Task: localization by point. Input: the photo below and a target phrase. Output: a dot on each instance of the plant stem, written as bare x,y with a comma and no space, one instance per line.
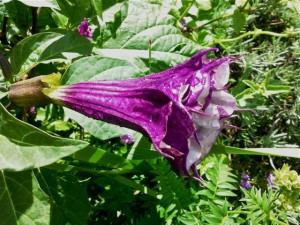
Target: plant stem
34,13
257,33
186,11
238,212
211,21
3,31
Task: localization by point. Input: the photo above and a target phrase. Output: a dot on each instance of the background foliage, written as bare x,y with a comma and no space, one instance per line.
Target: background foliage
60,167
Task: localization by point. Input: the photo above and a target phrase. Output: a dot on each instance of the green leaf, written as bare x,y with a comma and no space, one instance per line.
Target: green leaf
154,25
239,20
43,47
252,85
172,189
41,3
68,197
97,4
204,4
75,11
22,201
286,152
134,185
70,46
25,54
142,149
277,89
21,14
99,68
218,176
240,87
103,158
23,146
216,210
260,205
140,58
97,128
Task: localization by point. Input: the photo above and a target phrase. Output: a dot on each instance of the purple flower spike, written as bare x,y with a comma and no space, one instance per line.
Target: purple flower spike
245,181
245,176
270,179
182,110
127,139
245,184
85,30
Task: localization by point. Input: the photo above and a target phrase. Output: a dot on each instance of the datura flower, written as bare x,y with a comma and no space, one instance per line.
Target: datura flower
182,110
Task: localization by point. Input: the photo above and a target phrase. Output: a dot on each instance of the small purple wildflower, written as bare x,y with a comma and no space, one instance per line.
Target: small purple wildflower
182,110
245,181
270,179
32,112
127,139
245,184
245,176
85,30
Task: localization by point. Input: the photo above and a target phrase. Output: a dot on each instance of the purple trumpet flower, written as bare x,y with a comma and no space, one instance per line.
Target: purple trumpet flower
182,110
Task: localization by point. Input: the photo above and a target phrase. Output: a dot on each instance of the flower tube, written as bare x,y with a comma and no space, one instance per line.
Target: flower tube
182,110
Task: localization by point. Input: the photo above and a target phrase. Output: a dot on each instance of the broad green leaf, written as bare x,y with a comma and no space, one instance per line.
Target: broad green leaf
97,128
38,3
99,68
70,46
22,201
25,54
43,47
75,11
154,24
21,14
68,197
140,58
22,146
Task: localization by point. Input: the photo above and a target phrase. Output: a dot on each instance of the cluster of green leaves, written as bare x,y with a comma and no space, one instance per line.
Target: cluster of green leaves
60,167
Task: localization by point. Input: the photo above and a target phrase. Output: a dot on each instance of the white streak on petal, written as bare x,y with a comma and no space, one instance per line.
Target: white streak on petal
206,88
224,100
221,75
194,152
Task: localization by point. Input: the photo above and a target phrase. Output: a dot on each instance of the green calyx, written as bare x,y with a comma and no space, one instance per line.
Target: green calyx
34,91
